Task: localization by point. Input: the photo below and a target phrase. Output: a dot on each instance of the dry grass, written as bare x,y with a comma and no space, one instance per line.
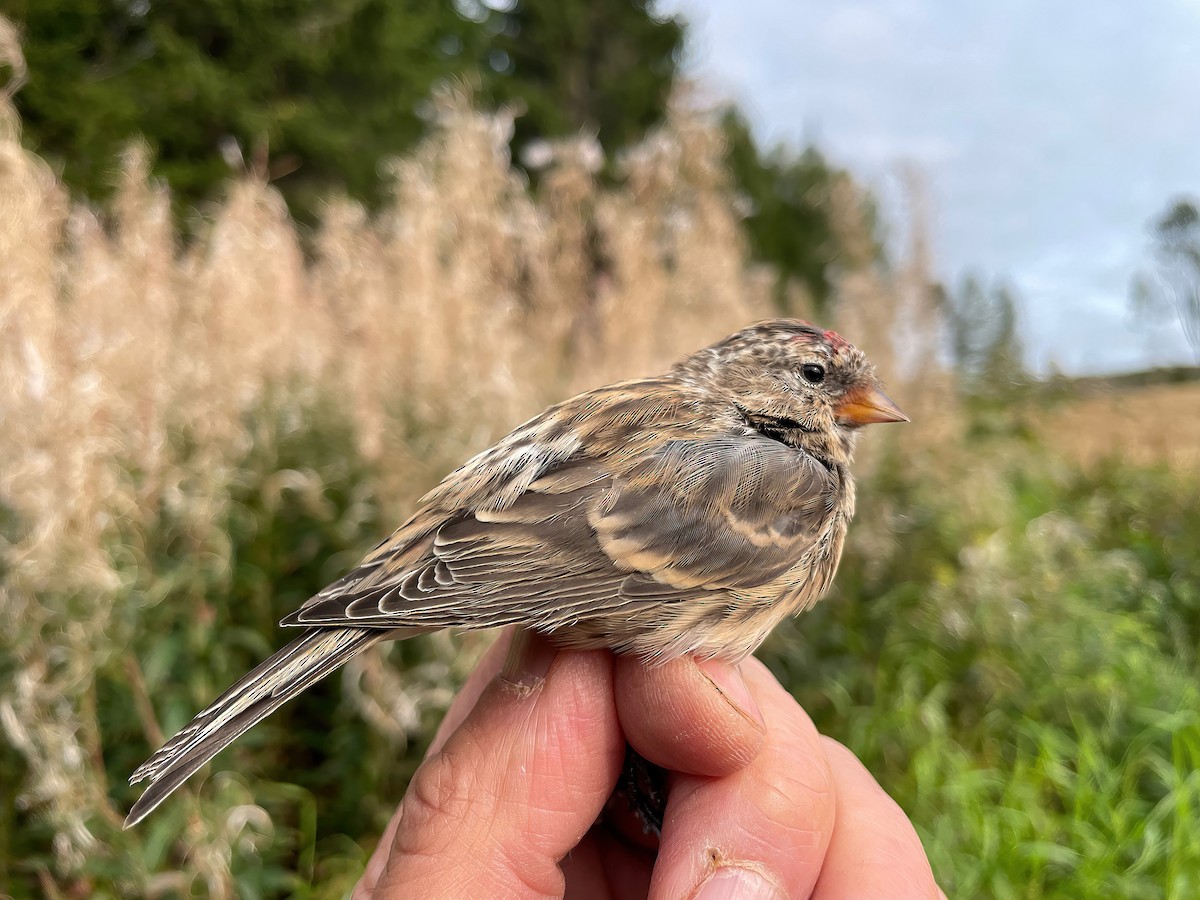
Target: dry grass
438,325
1141,425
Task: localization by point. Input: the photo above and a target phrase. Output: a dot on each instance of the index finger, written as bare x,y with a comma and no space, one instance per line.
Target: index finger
515,787
875,851
464,701
761,831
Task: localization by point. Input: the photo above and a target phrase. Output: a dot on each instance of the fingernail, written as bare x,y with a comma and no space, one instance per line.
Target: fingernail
529,659
728,680
732,883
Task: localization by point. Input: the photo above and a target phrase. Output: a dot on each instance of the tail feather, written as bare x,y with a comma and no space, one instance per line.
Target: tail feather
275,681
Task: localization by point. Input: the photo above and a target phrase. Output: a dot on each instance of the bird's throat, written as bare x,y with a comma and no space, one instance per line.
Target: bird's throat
790,433
777,428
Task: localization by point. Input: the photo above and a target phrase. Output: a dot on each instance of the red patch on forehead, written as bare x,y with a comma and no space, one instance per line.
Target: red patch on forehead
836,341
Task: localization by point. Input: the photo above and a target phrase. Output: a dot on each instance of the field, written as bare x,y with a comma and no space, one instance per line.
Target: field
201,431
1149,424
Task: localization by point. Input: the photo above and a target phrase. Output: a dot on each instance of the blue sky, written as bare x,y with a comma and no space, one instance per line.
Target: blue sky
1048,134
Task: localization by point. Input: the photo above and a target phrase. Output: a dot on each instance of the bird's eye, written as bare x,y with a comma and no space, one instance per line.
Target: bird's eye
813,373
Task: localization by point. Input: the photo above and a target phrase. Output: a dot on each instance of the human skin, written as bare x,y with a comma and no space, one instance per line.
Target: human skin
508,802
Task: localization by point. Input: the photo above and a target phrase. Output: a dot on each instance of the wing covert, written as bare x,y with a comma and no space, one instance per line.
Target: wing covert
592,537
728,512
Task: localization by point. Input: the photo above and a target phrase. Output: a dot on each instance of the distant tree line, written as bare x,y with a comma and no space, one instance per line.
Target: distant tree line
314,93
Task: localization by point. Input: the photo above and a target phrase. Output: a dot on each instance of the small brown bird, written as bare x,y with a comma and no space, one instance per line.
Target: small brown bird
687,513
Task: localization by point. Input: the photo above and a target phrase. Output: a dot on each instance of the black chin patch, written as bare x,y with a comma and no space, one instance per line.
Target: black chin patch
784,430
777,428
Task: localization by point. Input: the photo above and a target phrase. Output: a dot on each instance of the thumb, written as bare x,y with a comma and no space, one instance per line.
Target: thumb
515,788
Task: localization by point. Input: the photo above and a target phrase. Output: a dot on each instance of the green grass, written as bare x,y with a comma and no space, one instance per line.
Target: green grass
1011,649
1020,674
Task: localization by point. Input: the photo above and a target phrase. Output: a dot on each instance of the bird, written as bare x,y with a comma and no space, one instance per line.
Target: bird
686,513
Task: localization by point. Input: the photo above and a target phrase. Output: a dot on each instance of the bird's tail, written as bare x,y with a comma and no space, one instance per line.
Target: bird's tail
270,685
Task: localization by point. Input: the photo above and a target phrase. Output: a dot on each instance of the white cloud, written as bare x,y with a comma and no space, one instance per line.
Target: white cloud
1049,133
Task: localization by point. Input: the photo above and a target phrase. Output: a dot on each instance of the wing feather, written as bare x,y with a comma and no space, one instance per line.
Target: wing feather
593,537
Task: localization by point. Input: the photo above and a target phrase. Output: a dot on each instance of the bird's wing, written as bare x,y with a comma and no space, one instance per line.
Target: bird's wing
589,537
728,512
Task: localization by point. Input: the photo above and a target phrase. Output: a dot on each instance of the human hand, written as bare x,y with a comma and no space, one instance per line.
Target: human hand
508,803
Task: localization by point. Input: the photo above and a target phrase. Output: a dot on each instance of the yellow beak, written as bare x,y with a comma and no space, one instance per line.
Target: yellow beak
868,405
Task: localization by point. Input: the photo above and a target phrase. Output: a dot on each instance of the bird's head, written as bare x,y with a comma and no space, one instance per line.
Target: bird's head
786,375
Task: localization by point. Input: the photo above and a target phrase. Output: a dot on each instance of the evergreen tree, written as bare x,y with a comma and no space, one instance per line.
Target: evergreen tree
985,337
788,220
325,87
602,65
317,92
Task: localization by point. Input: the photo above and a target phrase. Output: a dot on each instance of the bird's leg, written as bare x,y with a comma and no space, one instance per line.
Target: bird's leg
641,792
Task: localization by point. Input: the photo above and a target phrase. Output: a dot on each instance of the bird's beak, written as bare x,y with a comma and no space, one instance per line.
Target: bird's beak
868,405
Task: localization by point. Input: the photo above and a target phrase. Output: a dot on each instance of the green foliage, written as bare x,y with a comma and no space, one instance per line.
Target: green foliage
1011,650
301,513
789,217
329,87
1019,670
316,93
988,356
301,510
985,341
605,66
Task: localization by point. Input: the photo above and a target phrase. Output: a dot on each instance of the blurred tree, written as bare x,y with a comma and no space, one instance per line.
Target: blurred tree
1175,285
788,220
606,66
328,87
984,337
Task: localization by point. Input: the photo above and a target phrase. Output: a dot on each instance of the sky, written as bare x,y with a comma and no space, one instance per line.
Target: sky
1048,135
